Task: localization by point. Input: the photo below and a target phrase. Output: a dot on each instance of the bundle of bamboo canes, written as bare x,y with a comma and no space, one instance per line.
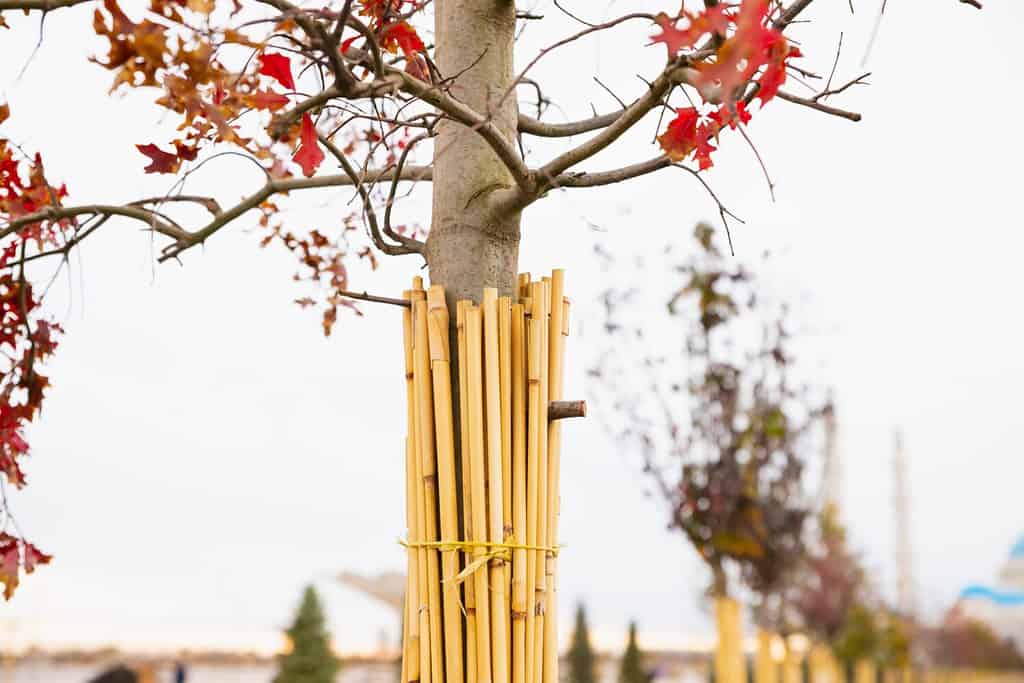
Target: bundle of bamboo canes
481,603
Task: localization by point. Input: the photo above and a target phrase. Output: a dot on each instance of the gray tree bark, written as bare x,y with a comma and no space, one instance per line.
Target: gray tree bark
472,243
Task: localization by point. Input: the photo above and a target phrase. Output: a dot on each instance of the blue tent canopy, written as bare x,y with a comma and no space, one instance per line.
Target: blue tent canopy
1003,598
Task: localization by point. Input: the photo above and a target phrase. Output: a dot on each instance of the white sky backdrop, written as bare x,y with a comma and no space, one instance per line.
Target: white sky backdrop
205,452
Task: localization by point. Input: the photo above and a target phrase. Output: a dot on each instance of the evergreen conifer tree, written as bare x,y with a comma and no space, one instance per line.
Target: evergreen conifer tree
581,656
310,659
631,670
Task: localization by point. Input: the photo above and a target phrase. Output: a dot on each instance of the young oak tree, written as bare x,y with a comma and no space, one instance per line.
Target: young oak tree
378,96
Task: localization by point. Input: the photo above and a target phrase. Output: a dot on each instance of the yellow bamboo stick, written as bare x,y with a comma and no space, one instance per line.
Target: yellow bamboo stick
536,424
519,435
556,355
540,298
505,372
428,481
437,333
412,651
496,526
475,401
467,531
411,629
421,606
523,286
766,670
865,671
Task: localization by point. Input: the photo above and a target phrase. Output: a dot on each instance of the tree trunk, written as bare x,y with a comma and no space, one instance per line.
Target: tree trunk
472,245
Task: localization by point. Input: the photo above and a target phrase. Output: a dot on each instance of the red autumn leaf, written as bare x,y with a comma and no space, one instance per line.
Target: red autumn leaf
34,557
416,66
309,155
9,564
403,36
714,19
278,67
265,99
704,148
724,116
347,43
184,152
160,161
680,137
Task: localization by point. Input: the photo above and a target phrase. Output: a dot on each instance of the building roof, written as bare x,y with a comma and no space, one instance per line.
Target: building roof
999,597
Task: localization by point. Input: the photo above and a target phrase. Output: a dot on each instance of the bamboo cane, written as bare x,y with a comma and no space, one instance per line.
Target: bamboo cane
539,295
519,434
505,373
422,607
440,369
411,653
467,531
523,286
556,354
411,627
765,668
791,672
865,671
532,475
496,526
428,463
478,505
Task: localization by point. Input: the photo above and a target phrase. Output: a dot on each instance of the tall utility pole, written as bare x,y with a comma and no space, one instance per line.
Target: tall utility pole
905,598
832,472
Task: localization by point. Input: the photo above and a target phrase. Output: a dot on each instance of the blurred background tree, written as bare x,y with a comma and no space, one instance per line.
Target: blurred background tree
309,658
581,654
631,667
721,423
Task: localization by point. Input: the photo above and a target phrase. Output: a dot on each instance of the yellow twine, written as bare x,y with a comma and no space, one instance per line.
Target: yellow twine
495,550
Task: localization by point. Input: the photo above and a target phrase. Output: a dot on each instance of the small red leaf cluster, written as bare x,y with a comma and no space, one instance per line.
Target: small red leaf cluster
749,52
323,263
26,341
392,31
16,554
690,133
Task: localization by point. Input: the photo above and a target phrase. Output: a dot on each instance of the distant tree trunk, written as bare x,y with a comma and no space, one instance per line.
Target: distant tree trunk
472,244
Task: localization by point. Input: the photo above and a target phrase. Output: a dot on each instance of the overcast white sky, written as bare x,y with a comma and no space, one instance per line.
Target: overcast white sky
205,452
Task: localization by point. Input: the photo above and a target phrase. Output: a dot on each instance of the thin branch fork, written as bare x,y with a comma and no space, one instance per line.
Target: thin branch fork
824,108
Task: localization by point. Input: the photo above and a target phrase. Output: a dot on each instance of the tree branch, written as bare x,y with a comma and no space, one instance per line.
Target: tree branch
532,126
583,179
405,245
39,5
504,148
842,113
658,88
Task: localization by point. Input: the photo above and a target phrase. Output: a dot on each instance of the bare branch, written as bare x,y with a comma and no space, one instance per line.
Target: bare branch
790,14
532,126
668,78
38,5
405,245
842,113
582,179
56,213
504,148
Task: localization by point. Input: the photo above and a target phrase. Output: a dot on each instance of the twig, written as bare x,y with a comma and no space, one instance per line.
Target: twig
363,296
